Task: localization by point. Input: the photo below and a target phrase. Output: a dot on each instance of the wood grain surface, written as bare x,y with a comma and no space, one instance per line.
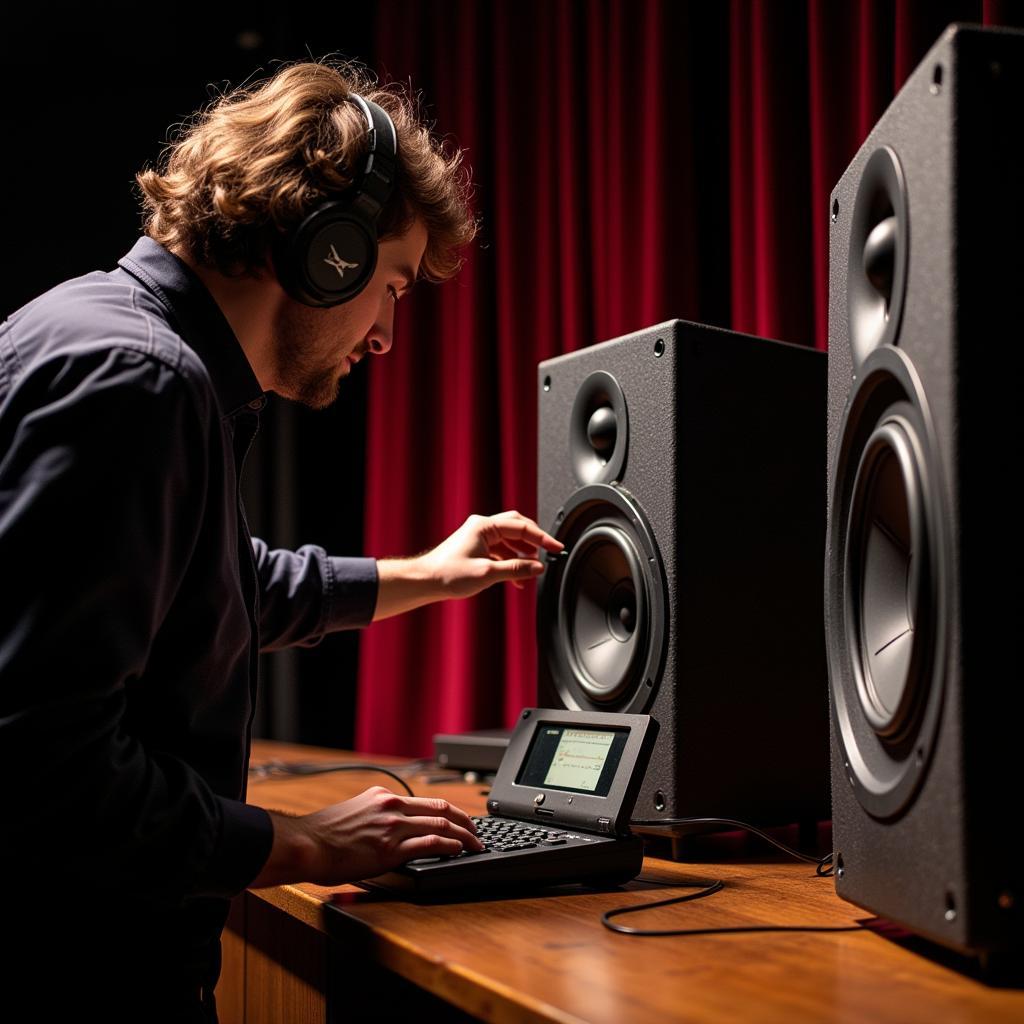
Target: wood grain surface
549,958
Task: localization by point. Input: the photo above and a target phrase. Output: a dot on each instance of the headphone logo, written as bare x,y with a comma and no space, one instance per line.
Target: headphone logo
340,265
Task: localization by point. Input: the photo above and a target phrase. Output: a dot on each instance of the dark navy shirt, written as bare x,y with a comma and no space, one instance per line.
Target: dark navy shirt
133,605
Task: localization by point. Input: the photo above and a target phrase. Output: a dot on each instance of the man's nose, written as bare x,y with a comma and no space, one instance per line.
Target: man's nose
379,338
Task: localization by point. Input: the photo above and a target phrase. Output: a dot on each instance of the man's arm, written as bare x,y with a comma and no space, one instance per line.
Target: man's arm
307,593
483,551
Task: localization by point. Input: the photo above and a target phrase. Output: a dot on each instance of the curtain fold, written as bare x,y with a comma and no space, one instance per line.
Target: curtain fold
634,162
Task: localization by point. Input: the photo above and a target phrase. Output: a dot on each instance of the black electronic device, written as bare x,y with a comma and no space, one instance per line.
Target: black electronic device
559,809
683,466
478,751
922,601
331,254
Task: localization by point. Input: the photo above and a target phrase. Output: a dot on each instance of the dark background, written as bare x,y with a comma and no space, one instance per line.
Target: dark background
633,161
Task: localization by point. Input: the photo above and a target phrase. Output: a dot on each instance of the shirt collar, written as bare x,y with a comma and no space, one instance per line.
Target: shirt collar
200,322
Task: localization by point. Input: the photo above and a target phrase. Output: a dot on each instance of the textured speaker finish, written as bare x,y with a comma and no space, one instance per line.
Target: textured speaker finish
726,461
941,862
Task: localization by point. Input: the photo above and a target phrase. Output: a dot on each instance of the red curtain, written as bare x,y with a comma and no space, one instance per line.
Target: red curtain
634,162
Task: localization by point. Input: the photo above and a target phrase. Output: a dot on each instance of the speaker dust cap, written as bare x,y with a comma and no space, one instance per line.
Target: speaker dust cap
598,430
601,613
879,252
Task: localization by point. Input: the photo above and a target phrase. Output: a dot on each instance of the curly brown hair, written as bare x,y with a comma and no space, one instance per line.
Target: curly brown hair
252,165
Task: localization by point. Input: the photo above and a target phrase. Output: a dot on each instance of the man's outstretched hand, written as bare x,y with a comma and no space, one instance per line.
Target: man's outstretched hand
483,551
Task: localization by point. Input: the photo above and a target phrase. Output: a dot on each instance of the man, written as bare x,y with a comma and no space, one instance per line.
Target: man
135,602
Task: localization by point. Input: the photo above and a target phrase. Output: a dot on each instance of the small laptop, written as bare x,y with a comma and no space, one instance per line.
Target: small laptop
559,809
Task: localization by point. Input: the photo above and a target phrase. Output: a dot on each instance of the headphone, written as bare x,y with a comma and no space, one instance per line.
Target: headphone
330,256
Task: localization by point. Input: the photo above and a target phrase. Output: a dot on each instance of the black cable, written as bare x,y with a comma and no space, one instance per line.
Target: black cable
272,769
717,886
820,862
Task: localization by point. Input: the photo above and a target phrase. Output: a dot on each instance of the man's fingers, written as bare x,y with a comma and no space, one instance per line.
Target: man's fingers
429,846
504,551
416,806
443,827
513,569
514,526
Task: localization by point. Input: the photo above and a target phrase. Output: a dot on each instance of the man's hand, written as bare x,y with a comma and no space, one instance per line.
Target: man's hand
363,837
483,551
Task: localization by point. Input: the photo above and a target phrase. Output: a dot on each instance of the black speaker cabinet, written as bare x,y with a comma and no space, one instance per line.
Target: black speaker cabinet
684,468
923,564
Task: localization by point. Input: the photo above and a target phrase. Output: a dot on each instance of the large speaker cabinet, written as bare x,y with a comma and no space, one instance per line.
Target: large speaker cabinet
684,468
923,569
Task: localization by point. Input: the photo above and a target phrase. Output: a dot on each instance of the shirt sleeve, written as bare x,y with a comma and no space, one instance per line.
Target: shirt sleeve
99,513
307,593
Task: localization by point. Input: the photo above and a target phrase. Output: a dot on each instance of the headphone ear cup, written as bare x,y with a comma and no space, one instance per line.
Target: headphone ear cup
329,259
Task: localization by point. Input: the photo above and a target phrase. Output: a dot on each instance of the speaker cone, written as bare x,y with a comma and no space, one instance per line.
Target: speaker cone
601,612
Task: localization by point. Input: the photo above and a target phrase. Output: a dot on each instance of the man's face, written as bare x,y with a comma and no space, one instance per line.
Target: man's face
315,348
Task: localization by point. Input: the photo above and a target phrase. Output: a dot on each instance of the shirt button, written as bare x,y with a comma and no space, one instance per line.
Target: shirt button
257,404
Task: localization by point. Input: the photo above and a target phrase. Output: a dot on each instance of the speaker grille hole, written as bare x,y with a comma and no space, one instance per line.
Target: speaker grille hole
936,86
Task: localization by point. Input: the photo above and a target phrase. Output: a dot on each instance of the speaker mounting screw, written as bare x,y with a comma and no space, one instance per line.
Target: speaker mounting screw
950,914
526,714
659,801
547,383
659,348
936,87
835,210
840,866
560,515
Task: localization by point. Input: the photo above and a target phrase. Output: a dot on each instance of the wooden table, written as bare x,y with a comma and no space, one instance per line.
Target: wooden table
289,957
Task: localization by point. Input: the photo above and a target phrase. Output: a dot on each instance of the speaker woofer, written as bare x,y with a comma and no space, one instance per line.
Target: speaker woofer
879,254
886,558
601,613
888,569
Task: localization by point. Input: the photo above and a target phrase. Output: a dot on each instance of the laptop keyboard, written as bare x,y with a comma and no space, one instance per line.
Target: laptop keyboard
508,834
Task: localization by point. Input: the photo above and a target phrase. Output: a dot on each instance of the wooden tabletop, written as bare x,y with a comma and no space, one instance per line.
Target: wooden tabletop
549,958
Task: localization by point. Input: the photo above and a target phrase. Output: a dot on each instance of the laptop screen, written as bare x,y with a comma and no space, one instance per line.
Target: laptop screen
573,759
